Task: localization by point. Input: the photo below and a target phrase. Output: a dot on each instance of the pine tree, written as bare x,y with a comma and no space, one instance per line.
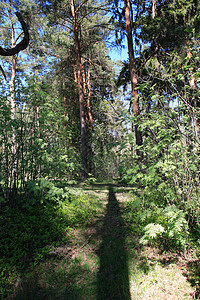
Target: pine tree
79,31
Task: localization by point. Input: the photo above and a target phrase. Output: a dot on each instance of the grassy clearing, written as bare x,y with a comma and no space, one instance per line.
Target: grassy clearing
96,254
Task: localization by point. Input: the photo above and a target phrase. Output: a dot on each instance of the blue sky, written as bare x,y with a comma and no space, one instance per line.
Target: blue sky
119,54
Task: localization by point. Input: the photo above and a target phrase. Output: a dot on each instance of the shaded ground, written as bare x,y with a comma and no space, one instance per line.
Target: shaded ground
102,262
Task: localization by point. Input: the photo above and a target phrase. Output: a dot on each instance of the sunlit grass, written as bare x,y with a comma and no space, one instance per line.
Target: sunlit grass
150,279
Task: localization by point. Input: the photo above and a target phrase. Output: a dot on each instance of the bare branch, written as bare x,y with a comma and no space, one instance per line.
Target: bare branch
22,45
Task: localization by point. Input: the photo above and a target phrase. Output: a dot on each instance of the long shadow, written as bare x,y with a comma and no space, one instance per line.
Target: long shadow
113,279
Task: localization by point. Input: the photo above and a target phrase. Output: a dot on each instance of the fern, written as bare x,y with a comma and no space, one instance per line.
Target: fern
170,227
152,231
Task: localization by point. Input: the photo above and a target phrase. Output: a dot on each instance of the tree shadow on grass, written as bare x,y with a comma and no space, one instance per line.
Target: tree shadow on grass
113,279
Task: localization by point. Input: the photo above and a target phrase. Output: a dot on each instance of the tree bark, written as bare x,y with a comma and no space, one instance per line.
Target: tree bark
132,68
81,94
153,8
89,95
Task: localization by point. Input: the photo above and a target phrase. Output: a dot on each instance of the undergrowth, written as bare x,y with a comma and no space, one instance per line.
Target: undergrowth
43,218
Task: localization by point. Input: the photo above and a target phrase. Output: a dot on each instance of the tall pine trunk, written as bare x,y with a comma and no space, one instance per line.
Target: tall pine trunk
133,73
81,94
89,95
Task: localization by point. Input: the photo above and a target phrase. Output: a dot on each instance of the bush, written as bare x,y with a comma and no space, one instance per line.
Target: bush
44,192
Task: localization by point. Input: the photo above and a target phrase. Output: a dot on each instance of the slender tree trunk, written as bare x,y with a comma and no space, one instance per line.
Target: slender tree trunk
37,107
194,105
22,171
64,103
132,68
12,103
153,8
84,90
81,94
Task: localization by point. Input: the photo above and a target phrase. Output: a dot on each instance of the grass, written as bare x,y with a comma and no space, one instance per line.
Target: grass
98,256
153,279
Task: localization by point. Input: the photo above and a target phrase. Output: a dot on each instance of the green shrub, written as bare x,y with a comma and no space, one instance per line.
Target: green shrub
45,192
91,179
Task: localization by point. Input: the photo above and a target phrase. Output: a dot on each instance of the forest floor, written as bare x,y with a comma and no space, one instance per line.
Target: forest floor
103,260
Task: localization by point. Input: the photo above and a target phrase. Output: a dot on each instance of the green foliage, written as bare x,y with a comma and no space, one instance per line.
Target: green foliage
77,210
44,192
155,223
170,228
168,174
90,180
25,232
